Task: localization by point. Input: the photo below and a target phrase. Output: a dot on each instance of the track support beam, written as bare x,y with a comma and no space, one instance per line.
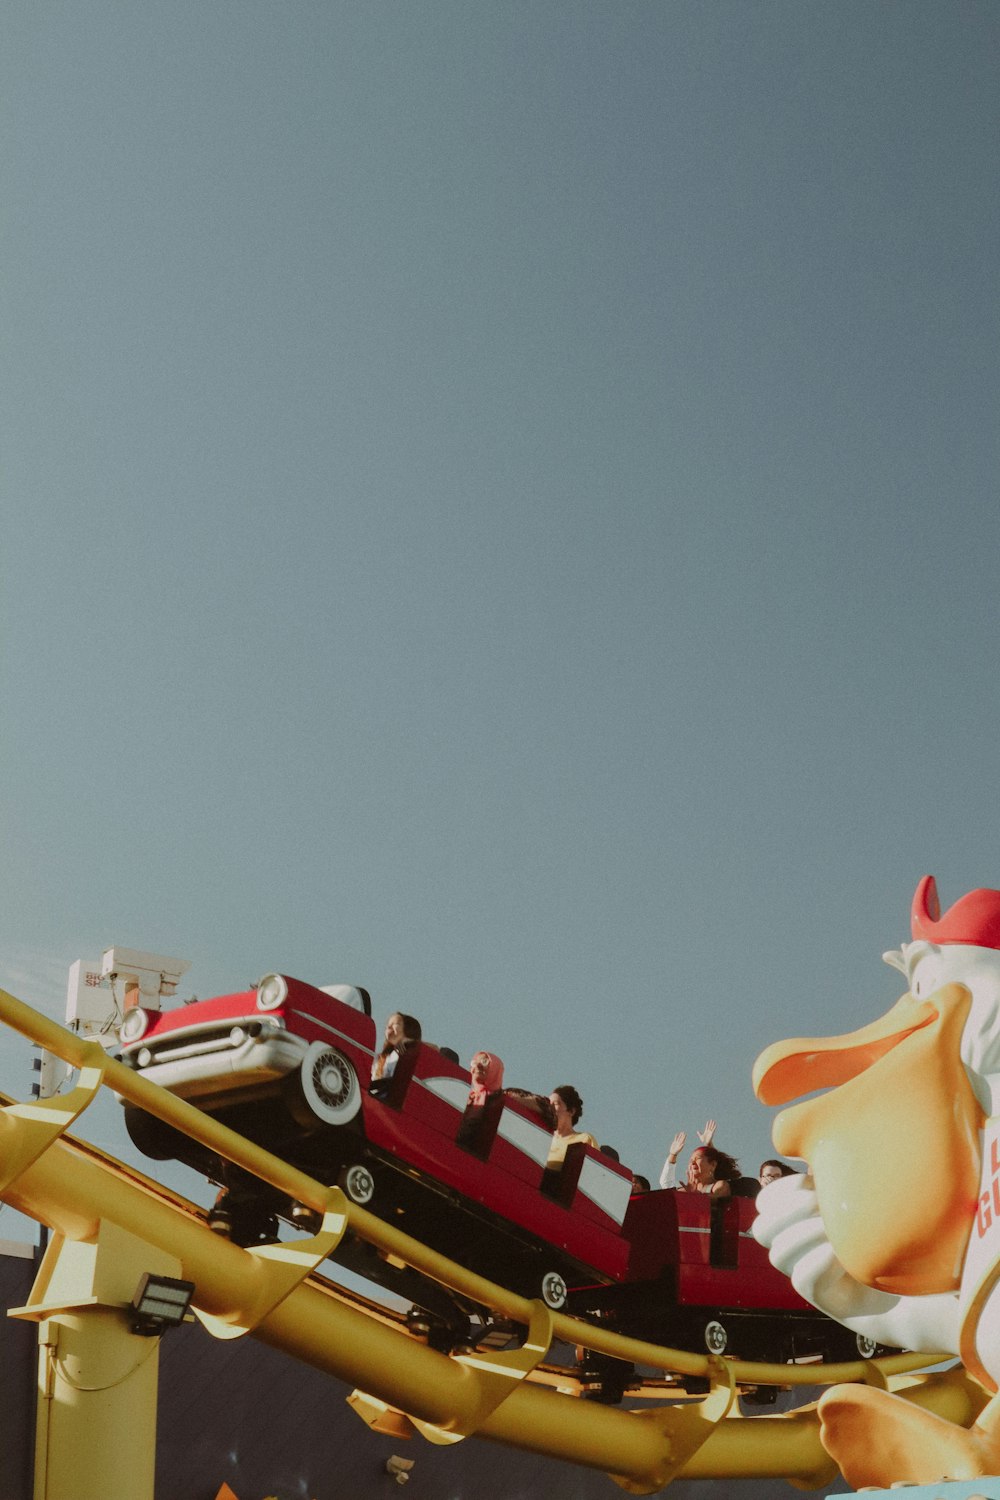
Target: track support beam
95,1432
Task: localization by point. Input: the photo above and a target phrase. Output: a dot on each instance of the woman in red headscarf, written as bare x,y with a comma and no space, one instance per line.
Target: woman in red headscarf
486,1073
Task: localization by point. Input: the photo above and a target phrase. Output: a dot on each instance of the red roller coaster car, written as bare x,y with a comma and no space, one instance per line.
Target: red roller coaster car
288,1064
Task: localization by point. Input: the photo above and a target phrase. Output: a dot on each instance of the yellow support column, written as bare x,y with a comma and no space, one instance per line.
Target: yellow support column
95,1436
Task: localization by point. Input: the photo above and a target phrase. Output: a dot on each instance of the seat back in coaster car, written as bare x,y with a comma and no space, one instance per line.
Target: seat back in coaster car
651,1230
593,1185
709,1229
392,1091
478,1129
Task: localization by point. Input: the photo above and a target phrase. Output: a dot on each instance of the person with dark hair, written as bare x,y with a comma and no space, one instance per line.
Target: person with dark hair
401,1032
568,1107
772,1169
709,1170
640,1184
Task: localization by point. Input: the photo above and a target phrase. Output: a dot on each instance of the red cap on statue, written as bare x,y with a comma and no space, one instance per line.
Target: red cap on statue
974,919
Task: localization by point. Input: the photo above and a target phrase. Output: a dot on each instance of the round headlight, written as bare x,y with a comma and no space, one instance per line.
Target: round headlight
271,992
134,1025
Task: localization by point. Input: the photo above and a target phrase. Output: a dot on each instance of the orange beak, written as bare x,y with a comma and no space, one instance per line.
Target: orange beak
786,1070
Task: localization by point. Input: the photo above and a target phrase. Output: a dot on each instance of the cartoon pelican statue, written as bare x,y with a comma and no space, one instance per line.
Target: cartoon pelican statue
894,1229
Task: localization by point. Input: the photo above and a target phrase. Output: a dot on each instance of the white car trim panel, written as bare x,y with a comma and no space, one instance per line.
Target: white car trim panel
454,1091
533,1140
609,1191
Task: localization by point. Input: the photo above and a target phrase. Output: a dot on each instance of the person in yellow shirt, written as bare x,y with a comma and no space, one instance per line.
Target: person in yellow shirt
568,1107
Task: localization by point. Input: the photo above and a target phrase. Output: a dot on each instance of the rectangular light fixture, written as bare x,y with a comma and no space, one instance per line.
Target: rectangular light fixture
160,1302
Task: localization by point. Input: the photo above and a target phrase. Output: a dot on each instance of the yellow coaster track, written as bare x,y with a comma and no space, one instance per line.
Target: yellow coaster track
109,1221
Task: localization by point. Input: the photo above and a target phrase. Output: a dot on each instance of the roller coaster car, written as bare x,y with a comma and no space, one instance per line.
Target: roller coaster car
287,1065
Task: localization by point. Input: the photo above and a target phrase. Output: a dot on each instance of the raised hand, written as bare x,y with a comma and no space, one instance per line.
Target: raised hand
706,1135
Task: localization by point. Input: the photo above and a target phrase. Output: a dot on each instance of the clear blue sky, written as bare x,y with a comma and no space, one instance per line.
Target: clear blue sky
500,505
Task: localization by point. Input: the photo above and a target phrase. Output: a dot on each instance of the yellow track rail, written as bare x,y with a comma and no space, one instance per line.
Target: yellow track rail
273,1293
